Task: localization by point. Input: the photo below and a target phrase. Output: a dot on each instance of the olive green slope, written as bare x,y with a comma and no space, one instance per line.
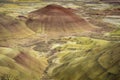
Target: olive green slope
86,59
116,32
21,64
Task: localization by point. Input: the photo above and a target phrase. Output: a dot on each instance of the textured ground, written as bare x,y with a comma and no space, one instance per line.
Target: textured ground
27,55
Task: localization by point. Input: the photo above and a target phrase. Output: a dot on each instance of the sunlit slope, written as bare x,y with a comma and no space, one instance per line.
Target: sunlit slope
21,64
86,59
13,28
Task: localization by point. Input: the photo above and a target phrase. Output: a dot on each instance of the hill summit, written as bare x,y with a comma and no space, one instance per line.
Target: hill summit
56,20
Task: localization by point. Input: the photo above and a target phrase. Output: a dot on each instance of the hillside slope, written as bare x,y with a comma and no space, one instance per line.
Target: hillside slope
56,20
21,64
86,59
13,28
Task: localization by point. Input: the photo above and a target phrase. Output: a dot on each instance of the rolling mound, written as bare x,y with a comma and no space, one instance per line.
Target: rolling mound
56,20
21,64
13,28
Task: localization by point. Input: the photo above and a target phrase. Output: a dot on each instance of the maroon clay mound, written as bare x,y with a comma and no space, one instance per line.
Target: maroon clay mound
56,20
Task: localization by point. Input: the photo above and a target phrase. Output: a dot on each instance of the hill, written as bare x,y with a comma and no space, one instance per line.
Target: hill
82,58
21,64
56,20
13,28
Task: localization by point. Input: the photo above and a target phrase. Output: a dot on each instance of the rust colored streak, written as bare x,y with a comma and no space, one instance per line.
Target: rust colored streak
28,62
22,59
